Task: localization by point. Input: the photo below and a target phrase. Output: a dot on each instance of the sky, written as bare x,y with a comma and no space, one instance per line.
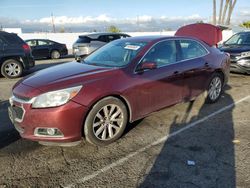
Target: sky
82,15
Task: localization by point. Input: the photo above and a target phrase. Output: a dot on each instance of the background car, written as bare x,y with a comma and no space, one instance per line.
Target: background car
238,46
86,44
15,55
42,48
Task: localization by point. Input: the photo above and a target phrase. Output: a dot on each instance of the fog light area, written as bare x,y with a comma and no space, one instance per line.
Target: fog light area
48,132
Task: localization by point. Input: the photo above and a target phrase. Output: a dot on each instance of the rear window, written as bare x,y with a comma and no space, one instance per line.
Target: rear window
13,39
83,40
191,49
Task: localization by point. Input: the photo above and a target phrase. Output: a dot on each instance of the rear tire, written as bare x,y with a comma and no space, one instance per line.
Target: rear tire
55,54
106,121
215,88
11,68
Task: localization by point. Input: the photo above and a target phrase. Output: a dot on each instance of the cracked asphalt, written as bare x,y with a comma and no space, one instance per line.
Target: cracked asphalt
153,152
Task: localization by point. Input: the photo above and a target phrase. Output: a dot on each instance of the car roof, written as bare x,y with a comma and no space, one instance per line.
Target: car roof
7,33
156,38
247,32
96,35
40,39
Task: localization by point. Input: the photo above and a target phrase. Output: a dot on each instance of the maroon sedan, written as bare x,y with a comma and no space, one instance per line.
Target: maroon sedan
121,82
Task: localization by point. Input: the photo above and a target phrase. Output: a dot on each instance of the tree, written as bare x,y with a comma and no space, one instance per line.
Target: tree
62,30
225,12
214,12
245,24
113,29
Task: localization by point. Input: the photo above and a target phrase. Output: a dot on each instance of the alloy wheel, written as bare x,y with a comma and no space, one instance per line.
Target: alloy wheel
12,69
215,88
107,122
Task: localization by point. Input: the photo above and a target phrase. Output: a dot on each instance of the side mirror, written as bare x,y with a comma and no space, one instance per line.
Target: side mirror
148,65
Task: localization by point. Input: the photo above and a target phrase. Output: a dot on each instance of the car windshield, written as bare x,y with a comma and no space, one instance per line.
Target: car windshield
239,39
115,54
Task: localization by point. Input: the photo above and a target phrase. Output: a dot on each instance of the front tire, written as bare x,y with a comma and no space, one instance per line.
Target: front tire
11,68
214,88
106,121
55,54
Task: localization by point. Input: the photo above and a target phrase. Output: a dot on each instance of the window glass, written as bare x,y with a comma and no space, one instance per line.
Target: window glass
123,36
83,39
1,41
110,38
42,42
163,53
12,39
191,49
239,39
103,38
51,42
115,54
31,43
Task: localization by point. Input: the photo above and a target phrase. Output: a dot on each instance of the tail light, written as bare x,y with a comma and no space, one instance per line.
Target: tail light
26,48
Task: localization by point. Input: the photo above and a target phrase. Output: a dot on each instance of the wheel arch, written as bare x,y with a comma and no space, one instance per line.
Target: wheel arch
219,71
17,58
118,96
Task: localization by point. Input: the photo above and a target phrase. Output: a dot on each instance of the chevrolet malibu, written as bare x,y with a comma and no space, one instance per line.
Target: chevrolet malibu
121,82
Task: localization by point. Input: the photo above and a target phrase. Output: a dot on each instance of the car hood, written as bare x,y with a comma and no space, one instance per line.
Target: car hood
65,75
235,48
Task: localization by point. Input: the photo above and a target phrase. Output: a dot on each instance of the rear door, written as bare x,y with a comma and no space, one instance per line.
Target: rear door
42,48
195,67
32,44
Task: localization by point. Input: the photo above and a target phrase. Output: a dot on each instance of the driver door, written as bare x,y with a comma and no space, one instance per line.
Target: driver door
160,87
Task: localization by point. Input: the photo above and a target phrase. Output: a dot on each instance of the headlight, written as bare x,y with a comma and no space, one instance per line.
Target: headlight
55,98
245,54
243,62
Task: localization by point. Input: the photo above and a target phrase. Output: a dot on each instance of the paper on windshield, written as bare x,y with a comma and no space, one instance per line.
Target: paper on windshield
132,47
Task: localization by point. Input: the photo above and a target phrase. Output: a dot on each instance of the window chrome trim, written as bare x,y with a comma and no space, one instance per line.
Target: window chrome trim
180,61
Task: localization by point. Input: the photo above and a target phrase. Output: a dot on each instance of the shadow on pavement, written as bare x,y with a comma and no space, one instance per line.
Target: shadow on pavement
202,156
8,133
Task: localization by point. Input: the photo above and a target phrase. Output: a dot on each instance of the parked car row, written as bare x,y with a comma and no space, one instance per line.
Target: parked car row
15,55
42,48
86,44
238,46
123,81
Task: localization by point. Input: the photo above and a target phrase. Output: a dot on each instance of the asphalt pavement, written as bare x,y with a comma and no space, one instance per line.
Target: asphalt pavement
188,145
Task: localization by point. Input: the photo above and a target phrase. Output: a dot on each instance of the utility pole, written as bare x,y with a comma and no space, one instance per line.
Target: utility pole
53,23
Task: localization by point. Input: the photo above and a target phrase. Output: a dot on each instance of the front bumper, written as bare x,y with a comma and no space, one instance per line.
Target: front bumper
67,118
240,65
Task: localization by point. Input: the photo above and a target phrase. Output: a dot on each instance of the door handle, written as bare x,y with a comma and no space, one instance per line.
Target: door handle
206,64
176,72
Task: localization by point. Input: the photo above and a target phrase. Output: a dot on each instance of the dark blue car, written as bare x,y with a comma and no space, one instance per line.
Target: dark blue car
238,46
42,48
